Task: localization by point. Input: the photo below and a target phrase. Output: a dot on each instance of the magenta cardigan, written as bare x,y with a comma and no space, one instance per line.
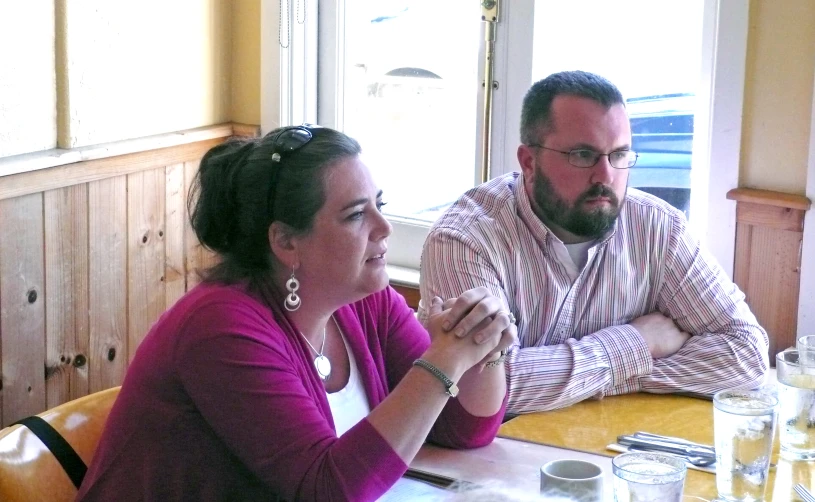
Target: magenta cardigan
222,403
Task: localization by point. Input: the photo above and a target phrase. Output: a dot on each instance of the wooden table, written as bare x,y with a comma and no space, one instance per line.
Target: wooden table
583,431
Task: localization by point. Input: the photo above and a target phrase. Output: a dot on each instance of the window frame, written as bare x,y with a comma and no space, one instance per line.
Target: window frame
293,92
806,298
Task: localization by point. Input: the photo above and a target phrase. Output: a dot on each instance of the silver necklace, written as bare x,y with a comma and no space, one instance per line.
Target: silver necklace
321,363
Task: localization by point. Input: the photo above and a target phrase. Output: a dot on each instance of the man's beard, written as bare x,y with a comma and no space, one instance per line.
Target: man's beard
573,218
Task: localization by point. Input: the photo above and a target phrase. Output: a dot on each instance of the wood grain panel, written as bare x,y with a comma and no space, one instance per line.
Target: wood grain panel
741,269
197,257
411,294
22,304
146,195
175,276
769,236
769,198
16,185
107,282
782,218
773,283
66,298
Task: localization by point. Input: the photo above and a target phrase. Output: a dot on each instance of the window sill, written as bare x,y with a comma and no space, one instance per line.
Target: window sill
403,276
56,157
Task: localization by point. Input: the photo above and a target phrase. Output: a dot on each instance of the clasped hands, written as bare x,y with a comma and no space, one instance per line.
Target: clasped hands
475,325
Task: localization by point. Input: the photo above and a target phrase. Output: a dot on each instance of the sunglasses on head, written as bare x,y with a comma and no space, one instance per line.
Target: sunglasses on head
284,142
281,144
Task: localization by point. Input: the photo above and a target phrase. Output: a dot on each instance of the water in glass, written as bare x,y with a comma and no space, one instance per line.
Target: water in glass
744,426
648,477
796,395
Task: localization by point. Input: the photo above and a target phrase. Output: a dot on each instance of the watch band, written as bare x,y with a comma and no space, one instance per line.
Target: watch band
450,387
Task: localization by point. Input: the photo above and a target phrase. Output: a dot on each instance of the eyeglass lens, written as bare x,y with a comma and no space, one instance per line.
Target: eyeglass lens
292,139
622,159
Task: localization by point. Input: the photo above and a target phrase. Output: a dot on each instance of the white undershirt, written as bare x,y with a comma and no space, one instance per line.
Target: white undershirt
579,253
349,405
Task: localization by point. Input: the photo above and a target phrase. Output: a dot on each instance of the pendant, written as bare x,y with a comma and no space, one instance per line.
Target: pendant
323,366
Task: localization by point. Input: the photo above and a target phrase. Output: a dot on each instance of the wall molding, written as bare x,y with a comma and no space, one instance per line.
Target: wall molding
38,172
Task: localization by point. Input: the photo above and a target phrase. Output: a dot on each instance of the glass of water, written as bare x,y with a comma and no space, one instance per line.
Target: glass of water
648,477
744,428
806,349
796,396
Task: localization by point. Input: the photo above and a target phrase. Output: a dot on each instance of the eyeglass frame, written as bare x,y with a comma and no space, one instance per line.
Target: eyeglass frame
598,155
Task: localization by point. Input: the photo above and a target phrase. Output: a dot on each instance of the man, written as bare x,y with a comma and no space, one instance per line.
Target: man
611,292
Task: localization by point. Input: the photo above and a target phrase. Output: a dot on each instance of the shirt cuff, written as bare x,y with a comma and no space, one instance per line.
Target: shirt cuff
627,353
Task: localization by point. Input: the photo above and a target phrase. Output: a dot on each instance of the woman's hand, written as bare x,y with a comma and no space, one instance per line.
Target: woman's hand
476,318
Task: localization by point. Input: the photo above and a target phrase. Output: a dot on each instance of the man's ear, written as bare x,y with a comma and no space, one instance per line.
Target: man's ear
283,243
526,159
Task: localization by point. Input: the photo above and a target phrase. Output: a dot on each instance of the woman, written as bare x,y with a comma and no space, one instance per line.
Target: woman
294,371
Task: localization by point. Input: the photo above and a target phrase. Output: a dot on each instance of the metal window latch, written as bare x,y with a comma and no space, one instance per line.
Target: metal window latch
489,10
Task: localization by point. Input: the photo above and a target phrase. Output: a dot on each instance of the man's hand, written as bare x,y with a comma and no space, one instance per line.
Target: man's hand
660,334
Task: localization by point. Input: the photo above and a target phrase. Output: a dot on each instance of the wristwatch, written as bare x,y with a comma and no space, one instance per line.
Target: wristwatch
450,387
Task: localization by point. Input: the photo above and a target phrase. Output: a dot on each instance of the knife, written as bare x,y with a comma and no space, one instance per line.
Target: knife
666,447
670,439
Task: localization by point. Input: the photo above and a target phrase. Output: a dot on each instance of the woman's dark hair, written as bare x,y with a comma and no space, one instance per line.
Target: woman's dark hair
536,111
240,190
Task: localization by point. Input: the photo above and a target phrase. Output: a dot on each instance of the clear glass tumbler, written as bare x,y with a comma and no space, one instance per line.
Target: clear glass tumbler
744,428
648,477
806,349
796,396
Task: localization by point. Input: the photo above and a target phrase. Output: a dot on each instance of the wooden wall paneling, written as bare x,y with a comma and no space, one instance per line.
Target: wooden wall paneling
741,268
782,218
769,236
22,307
16,185
175,276
66,294
107,282
773,283
411,294
197,257
146,196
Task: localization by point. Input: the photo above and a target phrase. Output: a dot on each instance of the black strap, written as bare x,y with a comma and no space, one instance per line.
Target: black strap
67,457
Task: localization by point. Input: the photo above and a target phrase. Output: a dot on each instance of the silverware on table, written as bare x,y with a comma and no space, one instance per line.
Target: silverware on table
804,493
667,446
670,439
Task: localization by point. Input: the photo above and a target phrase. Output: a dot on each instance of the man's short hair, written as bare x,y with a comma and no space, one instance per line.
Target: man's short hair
536,113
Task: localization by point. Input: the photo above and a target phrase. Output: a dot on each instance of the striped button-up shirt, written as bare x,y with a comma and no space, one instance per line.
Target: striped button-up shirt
575,340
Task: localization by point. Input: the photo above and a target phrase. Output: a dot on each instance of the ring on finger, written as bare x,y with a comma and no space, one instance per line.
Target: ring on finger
512,319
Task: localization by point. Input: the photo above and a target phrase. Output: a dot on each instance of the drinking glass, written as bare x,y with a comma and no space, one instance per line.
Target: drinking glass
806,349
796,396
648,477
744,427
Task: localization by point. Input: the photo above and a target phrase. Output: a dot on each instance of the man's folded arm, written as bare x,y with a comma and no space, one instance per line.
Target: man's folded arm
603,363
728,348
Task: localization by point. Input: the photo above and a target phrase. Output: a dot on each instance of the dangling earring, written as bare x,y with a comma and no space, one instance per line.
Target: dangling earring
292,302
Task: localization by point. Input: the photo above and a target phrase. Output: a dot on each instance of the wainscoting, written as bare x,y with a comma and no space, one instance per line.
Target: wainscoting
91,253
769,242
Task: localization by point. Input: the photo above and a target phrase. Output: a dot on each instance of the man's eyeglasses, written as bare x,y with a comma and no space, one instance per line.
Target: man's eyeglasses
585,158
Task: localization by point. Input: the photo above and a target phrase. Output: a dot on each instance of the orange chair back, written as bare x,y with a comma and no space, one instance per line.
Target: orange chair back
29,472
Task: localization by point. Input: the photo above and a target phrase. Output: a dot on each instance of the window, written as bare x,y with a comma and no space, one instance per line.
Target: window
414,97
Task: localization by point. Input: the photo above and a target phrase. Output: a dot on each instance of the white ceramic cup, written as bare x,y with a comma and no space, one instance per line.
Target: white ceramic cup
572,479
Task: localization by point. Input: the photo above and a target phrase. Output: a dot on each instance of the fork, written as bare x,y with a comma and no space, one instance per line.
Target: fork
805,494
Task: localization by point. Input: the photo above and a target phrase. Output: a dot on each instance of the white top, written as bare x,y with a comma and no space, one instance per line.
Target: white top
579,253
349,405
